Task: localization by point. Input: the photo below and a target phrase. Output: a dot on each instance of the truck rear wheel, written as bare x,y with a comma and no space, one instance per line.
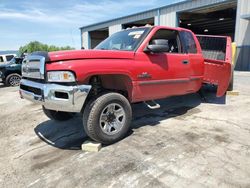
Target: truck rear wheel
13,80
107,118
58,115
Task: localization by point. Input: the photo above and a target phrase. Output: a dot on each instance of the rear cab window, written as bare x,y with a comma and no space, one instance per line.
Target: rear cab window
188,42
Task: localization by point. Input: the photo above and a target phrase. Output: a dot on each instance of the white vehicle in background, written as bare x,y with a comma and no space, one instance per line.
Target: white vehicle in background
5,58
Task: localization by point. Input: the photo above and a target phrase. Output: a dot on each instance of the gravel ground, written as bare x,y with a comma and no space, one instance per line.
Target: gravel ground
188,142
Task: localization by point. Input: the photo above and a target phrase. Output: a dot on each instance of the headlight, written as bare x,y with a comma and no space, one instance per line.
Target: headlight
1,74
60,76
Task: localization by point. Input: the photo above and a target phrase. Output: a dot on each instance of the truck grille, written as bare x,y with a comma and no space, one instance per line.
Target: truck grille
33,67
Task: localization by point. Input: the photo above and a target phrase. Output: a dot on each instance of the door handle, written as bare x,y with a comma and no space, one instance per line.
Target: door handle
185,62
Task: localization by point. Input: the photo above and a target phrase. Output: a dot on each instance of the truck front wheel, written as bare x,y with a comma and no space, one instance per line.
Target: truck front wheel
58,115
107,118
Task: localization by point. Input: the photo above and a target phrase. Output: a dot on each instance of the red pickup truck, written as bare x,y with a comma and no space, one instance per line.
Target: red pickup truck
134,65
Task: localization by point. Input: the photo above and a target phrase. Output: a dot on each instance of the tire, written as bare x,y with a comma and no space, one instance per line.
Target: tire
231,84
13,80
107,118
58,115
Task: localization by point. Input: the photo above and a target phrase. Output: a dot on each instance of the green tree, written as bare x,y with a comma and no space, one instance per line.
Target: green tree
38,46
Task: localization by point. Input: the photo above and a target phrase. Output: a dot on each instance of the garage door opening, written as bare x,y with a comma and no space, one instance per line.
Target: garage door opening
139,23
215,20
98,36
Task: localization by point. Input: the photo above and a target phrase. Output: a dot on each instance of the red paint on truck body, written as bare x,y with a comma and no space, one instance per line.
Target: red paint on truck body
166,73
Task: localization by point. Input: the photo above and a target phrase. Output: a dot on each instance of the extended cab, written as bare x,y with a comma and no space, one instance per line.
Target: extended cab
134,65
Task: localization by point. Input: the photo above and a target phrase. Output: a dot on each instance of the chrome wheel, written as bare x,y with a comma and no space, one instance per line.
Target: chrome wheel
112,119
106,119
14,80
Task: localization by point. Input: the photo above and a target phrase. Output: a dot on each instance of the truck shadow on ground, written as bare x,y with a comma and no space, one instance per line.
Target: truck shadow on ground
64,135
70,134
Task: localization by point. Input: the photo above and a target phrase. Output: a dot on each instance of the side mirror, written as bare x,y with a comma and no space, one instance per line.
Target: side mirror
157,46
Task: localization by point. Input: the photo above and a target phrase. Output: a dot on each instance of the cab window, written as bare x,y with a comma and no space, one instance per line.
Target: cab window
172,37
188,39
9,57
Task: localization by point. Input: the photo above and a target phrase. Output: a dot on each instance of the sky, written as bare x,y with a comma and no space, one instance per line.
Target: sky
57,22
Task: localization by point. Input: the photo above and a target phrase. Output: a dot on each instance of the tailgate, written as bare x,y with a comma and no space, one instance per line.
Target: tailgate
217,52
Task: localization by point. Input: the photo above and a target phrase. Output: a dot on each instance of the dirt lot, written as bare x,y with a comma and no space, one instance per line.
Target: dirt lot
188,142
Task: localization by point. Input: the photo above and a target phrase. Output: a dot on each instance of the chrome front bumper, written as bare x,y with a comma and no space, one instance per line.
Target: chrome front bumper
54,96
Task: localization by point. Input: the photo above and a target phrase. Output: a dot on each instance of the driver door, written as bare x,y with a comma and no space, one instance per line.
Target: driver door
164,74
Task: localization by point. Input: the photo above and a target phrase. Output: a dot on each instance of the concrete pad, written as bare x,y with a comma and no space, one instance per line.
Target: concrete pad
91,146
185,143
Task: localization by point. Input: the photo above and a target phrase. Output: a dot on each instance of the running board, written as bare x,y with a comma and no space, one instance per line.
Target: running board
152,104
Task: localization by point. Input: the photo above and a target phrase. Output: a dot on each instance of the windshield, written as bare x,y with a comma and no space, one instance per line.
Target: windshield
15,60
12,61
126,40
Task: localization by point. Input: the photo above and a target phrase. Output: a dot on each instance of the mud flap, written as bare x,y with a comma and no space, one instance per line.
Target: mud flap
218,73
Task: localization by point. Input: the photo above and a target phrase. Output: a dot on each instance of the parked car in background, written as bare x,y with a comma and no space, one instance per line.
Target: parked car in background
10,73
5,58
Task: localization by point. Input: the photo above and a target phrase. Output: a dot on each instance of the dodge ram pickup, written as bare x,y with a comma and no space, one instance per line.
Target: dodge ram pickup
134,65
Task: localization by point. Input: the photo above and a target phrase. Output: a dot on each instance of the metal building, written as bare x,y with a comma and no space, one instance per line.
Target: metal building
215,17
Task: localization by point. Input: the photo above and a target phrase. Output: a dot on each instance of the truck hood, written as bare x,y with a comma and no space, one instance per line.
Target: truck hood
90,54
